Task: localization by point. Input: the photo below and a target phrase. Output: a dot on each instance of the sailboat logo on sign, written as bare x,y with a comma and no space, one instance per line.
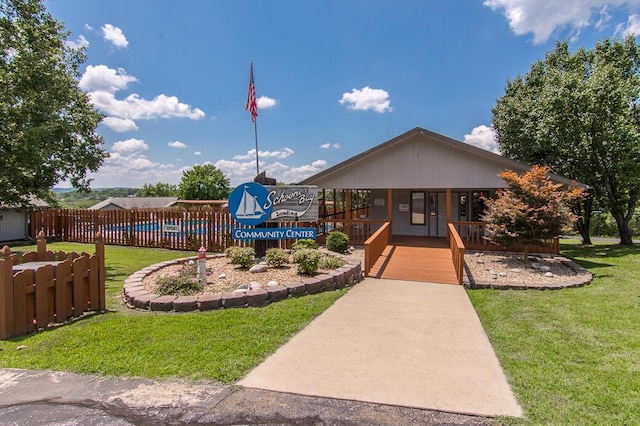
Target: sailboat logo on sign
246,204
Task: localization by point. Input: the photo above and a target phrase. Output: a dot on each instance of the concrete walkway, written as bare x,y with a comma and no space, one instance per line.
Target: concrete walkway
394,342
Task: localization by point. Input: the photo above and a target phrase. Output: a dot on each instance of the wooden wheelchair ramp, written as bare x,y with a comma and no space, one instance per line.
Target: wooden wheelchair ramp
416,259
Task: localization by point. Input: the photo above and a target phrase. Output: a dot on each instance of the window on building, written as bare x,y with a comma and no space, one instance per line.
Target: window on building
462,206
418,208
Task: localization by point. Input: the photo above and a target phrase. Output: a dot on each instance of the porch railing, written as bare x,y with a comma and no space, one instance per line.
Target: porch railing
375,245
473,236
457,251
358,230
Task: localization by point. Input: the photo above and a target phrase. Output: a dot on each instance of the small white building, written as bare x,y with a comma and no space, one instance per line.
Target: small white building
134,203
14,224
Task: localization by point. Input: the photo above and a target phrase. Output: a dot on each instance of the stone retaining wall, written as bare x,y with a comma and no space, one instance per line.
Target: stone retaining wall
136,296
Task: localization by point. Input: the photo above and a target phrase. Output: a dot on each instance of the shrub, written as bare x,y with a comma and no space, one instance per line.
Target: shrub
242,256
307,260
337,241
276,257
184,283
330,262
304,244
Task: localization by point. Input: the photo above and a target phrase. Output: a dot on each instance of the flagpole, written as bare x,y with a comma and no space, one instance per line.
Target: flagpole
255,132
252,107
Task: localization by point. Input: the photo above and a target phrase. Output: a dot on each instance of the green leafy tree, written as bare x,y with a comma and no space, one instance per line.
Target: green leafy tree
158,190
578,113
532,211
203,182
47,124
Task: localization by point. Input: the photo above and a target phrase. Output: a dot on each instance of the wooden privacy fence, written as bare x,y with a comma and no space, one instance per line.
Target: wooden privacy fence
472,235
173,229
42,288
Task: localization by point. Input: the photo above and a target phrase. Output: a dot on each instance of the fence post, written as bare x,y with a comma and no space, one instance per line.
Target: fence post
101,270
42,246
6,294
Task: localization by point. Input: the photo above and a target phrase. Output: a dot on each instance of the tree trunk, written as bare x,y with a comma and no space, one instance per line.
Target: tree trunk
583,210
626,239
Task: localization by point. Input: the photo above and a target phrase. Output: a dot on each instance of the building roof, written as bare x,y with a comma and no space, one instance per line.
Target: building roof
421,158
34,202
133,203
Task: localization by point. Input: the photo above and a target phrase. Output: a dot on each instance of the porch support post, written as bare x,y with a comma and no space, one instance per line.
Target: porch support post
448,205
389,205
347,204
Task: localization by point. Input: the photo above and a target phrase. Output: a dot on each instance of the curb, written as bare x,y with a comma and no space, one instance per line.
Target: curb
136,297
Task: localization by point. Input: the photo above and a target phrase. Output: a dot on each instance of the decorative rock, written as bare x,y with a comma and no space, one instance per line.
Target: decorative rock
222,276
535,265
255,285
516,270
244,287
480,261
545,268
548,275
493,274
272,284
502,274
477,254
260,267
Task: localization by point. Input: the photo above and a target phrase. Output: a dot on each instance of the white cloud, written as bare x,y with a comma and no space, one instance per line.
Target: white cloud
245,171
197,153
103,78
176,144
134,107
543,18
330,145
119,125
88,27
367,99
631,27
129,146
79,43
284,153
134,170
483,137
114,35
264,102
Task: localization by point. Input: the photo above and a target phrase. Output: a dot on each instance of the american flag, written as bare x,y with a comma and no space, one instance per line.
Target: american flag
251,106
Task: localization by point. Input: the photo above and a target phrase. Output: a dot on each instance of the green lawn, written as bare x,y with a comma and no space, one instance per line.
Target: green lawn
217,345
572,356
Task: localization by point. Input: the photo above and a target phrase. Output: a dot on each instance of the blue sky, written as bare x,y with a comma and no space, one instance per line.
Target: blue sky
333,78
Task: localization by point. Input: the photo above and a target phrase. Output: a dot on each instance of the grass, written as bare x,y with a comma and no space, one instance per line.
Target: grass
218,345
572,356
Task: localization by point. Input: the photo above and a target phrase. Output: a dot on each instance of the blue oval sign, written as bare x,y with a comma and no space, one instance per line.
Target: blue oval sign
247,204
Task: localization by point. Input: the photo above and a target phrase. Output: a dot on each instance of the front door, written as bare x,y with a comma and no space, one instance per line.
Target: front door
437,210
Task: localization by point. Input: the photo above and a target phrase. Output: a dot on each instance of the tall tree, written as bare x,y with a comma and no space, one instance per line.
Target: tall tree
204,182
158,190
47,124
578,113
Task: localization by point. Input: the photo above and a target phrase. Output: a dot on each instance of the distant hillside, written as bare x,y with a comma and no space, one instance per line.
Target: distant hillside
73,199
